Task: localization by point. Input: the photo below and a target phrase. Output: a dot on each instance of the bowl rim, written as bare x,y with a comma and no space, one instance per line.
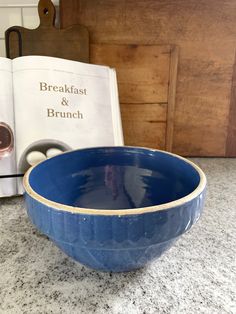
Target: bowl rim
118,212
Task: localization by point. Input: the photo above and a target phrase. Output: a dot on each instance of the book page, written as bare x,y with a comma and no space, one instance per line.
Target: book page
7,134
117,123
62,105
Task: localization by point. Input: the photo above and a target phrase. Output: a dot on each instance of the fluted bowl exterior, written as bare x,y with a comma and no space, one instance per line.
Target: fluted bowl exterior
114,243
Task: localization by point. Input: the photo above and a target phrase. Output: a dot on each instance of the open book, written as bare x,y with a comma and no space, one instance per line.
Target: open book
51,105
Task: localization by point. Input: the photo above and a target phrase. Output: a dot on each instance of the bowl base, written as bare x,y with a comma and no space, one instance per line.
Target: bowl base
109,260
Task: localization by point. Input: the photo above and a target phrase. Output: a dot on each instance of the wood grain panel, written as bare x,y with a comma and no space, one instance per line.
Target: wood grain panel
231,139
144,124
146,75
171,98
212,131
205,33
142,71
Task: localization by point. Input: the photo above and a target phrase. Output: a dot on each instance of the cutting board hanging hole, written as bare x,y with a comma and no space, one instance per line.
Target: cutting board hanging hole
47,13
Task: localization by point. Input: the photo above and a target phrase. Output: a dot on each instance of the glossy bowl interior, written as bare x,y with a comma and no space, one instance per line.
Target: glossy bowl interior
114,178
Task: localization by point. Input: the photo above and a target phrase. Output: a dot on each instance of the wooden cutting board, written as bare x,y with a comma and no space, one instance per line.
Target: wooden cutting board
146,77
204,31
47,40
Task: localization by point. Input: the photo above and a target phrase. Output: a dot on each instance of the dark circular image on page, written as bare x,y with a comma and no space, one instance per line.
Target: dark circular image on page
6,139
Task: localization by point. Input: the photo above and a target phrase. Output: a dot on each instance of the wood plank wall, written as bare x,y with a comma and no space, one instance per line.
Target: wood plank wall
205,31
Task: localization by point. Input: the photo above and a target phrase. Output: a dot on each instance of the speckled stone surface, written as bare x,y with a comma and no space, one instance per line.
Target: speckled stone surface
197,275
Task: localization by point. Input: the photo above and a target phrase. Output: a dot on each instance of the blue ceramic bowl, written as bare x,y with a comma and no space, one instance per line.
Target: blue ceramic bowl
114,208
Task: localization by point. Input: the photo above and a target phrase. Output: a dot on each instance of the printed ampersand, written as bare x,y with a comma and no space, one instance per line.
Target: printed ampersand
64,101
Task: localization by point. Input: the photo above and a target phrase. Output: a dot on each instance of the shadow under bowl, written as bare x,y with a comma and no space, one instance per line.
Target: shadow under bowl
114,208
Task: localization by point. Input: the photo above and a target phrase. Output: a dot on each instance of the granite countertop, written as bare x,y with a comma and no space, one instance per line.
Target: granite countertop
197,275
